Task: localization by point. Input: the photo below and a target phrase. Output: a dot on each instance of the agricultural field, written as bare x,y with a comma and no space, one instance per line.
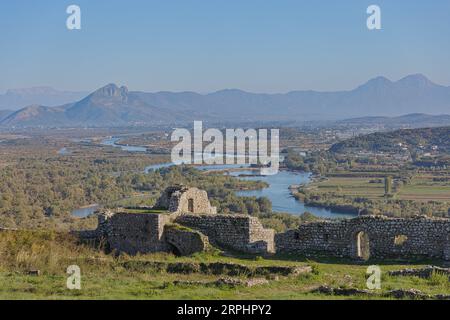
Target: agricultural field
427,187
422,187
410,193
352,186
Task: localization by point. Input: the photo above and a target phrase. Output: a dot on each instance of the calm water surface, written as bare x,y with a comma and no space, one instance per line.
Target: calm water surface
278,191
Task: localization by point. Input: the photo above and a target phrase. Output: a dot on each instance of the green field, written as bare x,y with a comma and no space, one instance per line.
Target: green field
425,188
411,193
125,285
353,186
421,188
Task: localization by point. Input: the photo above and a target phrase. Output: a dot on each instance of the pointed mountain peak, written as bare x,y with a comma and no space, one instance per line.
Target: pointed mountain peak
375,83
417,79
379,80
111,90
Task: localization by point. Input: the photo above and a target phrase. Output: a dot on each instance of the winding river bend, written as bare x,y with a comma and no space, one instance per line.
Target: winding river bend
278,191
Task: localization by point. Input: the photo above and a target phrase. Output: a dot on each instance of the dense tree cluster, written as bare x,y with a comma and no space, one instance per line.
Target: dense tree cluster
362,205
319,162
412,139
43,192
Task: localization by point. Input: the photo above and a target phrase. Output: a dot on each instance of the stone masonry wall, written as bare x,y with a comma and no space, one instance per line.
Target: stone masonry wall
447,248
185,242
241,233
387,238
136,233
201,205
164,199
176,199
362,238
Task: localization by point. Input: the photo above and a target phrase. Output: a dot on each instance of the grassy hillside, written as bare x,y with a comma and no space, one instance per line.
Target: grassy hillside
412,139
108,277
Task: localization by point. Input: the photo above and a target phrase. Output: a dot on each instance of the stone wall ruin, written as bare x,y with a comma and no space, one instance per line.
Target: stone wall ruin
360,238
239,232
370,237
181,199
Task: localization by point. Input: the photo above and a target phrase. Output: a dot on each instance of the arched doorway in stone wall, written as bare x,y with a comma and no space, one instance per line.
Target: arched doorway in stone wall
174,249
362,245
191,205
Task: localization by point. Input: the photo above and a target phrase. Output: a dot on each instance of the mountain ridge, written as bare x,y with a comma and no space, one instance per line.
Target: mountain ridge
115,106
14,99
412,120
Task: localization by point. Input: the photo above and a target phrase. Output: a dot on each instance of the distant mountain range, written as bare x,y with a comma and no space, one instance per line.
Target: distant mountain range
413,120
4,113
108,106
18,98
114,106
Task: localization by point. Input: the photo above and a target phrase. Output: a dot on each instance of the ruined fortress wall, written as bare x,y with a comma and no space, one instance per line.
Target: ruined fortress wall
200,202
242,233
318,237
447,248
185,242
386,238
164,199
262,240
137,233
176,199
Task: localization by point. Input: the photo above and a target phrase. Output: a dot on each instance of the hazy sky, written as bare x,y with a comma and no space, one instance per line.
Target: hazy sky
205,45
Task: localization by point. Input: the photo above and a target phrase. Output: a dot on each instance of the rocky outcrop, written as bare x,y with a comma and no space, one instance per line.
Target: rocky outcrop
342,291
410,294
230,282
426,272
217,268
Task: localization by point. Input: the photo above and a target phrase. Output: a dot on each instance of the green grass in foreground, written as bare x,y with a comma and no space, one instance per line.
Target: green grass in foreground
121,284
104,277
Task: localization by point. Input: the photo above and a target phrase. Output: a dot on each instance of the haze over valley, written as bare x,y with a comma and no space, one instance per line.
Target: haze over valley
224,150
372,102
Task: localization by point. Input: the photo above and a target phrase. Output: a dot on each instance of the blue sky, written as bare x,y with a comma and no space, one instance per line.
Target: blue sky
206,45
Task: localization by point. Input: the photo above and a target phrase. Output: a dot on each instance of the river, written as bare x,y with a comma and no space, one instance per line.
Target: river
84,212
278,191
112,141
280,195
